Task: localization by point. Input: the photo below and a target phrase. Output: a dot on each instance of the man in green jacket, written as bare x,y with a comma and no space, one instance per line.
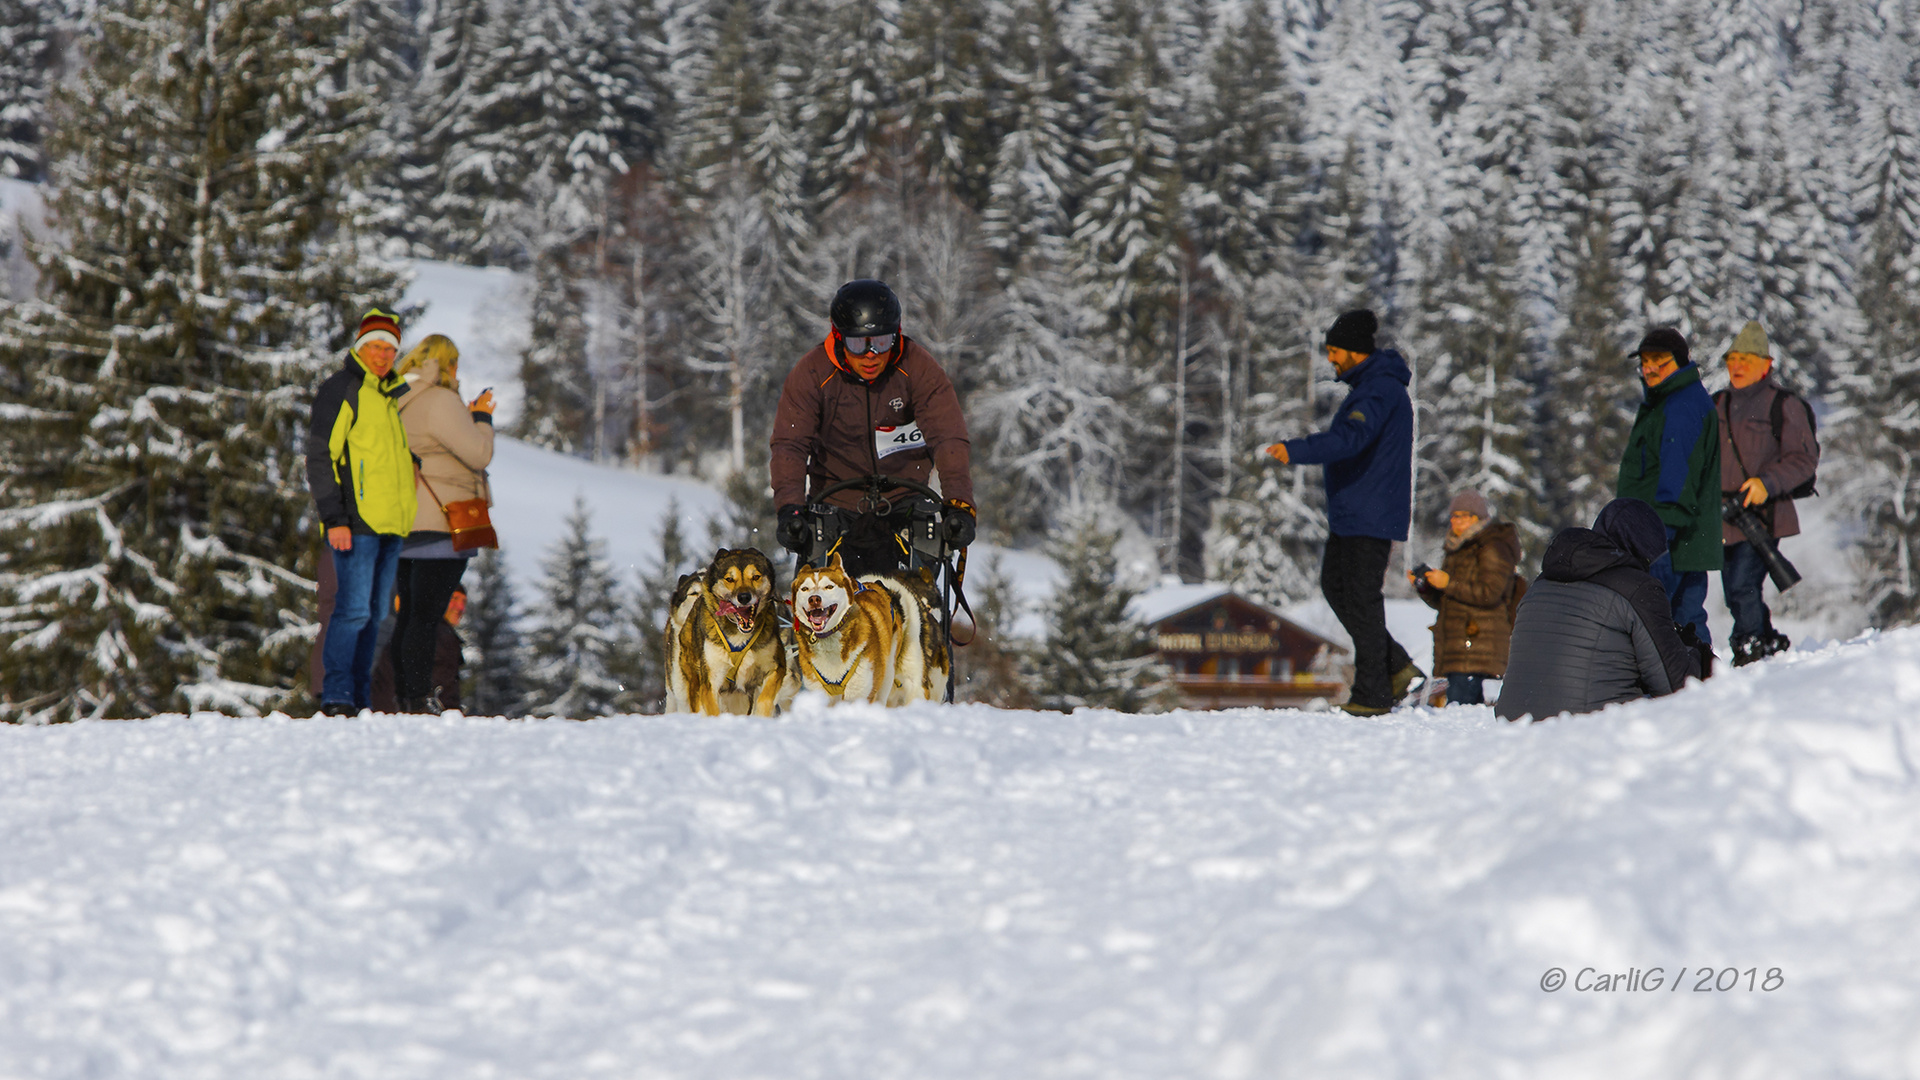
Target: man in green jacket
1672,462
362,477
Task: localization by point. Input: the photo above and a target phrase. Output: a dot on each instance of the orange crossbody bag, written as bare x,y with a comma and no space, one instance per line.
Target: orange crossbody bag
467,520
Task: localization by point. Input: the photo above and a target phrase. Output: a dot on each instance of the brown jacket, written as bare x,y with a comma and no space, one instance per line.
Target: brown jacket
1472,634
830,427
1746,426
454,447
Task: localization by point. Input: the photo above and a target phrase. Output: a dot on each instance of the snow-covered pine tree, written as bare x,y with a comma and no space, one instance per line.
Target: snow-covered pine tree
1476,402
1592,390
1039,165
1095,653
1047,414
640,656
943,68
495,653
27,55
155,510
571,642
1267,535
1883,385
992,666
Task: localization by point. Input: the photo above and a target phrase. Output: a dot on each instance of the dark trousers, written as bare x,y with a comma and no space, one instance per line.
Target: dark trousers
1464,689
1686,591
365,575
1351,577
1743,577
424,586
871,543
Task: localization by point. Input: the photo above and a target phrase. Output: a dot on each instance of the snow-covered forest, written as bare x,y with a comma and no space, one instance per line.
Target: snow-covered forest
1123,225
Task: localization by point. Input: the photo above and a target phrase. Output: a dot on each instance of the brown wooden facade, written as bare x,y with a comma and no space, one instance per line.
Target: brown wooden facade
1228,652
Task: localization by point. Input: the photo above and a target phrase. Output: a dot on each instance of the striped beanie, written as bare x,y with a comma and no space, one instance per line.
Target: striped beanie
377,325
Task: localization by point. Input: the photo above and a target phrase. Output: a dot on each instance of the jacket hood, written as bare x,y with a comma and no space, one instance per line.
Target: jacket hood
1577,554
1494,534
1382,364
1635,528
424,377
1627,533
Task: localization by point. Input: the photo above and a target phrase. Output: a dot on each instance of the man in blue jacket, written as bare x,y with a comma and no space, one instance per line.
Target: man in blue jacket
1368,452
1672,463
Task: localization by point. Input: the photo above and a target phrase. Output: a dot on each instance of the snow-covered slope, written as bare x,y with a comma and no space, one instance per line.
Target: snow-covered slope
968,893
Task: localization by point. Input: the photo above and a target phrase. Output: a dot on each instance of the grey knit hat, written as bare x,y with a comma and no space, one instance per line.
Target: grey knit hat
1752,339
1472,502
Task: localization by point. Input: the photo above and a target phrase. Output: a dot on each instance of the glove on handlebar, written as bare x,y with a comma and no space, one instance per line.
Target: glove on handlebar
957,524
791,528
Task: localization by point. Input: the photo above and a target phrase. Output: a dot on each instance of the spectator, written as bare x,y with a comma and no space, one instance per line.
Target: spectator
1471,591
1767,452
1596,627
1672,462
446,663
362,478
454,444
1368,453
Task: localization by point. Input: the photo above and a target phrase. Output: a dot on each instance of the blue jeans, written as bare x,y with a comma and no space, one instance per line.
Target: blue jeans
1464,689
365,596
1742,578
1686,591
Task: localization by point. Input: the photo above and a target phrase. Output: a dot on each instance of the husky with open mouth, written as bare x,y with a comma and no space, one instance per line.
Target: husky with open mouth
724,652
873,638
847,634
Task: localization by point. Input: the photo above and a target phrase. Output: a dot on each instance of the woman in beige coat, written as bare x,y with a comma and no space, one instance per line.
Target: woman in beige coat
454,442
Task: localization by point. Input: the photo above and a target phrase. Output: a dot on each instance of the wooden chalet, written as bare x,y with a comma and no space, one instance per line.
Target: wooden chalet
1228,652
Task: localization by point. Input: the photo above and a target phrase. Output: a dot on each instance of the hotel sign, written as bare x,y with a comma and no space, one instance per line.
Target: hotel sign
1219,643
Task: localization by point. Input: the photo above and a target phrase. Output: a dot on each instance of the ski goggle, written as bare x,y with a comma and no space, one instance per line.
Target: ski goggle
879,343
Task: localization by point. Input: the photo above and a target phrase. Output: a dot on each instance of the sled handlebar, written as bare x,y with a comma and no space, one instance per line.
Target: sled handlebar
875,484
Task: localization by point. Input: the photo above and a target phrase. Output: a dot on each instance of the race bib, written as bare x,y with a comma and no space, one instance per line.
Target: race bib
892,440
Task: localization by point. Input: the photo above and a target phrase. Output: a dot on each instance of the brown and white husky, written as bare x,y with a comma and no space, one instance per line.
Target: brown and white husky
873,638
724,652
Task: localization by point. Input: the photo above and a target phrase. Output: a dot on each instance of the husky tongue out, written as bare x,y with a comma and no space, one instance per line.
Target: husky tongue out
817,613
742,616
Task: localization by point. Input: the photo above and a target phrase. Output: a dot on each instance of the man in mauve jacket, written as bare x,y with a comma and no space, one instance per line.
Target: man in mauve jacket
869,400
1368,452
1595,627
1767,449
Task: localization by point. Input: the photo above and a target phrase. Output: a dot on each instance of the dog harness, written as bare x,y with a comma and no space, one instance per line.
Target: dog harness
739,655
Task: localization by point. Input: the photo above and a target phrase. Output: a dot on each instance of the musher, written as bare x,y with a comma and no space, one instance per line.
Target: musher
869,401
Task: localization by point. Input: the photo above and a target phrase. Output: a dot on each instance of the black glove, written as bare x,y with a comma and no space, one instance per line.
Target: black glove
1702,652
791,528
957,526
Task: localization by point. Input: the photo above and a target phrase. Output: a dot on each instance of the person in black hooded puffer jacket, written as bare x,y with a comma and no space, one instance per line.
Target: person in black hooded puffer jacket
1596,627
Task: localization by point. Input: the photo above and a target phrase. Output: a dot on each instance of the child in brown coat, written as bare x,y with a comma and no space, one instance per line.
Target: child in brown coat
1471,591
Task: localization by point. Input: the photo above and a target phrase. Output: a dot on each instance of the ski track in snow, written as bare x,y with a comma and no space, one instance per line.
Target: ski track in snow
969,892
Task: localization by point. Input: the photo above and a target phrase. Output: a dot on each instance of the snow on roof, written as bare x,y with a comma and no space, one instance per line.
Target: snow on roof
1168,600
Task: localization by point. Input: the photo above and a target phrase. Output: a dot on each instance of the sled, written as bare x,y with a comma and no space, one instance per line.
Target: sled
921,540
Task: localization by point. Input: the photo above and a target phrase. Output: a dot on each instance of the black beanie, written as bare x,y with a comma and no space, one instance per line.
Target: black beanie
1353,331
1667,340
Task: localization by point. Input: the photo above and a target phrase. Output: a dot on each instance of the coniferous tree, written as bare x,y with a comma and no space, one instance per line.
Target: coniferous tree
496,654
640,657
156,511
27,56
1884,386
571,644
992,666
1095,653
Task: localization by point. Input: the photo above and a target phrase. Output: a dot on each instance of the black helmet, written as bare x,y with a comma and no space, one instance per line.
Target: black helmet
864,308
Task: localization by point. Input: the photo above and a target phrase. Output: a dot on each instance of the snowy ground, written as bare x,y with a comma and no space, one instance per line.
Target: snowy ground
964,892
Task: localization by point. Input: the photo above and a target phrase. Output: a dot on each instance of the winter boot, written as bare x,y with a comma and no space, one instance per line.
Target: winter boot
338,708
1747,649
418,706
1773,641
1354,708
1407,680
